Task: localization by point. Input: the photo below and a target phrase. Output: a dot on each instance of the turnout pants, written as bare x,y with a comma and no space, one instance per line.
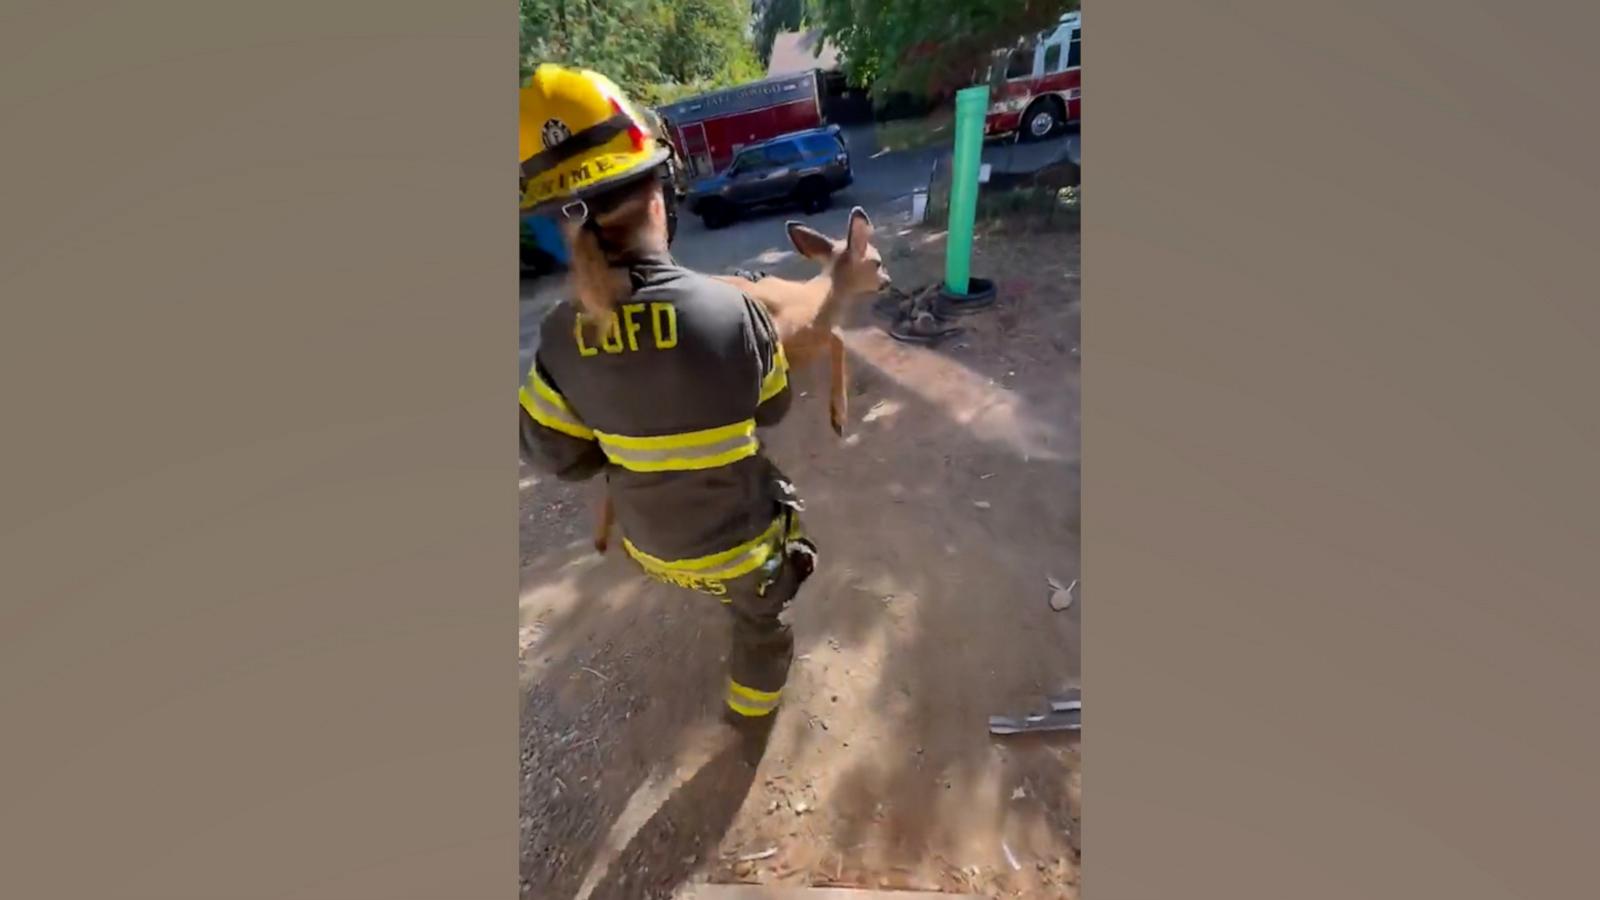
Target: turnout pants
763,645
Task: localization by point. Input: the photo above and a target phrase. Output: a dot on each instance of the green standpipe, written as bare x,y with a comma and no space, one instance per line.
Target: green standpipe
971,105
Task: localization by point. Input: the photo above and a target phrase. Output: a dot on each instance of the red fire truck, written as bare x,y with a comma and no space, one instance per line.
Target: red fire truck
708,130
1036,93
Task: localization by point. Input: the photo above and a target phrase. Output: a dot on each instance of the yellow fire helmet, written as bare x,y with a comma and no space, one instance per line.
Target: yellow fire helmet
578,136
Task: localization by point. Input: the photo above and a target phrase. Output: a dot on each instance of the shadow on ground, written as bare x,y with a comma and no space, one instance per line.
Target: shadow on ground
668,848
939,521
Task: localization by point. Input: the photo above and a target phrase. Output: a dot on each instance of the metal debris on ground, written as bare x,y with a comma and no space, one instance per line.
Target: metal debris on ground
1066,714
782,892
982,504
756,857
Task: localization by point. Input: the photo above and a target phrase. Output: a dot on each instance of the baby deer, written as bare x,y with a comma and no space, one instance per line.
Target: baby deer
807,313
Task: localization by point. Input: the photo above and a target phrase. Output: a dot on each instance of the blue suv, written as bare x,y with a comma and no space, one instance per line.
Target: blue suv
803,168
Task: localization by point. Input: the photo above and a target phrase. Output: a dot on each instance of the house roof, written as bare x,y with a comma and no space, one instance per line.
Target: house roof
796,51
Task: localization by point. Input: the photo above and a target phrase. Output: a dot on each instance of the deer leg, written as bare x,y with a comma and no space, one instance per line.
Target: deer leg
602,526
838,402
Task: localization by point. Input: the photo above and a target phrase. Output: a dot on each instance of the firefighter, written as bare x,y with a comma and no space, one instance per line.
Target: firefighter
658,377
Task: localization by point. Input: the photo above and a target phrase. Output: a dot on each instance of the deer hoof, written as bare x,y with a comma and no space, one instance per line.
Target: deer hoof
600,545
838,424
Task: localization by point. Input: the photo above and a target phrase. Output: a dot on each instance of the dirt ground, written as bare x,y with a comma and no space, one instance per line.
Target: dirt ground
939,520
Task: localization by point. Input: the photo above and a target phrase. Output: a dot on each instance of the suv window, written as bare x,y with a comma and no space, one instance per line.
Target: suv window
783,153
748,161
1072,54
1052,58
820,145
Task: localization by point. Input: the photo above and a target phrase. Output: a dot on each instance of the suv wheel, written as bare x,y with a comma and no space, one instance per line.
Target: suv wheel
813,195
535,262
670,197
715,214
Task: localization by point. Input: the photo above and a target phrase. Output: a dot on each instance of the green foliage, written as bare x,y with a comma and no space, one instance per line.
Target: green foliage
617,38
704,41
926,46
655,50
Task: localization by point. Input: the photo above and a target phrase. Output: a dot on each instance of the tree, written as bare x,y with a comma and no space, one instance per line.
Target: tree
616,37
705,41
650,48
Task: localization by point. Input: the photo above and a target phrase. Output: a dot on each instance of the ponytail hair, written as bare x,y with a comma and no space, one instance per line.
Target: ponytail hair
618,222
590,275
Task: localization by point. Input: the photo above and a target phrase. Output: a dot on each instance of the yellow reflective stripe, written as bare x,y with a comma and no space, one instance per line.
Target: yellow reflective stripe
708,448
752,712
726,565
738,690
684,463
549,393
553,415
777,379
748,701
683,440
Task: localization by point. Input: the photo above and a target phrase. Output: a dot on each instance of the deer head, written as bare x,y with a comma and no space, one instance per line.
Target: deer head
852,265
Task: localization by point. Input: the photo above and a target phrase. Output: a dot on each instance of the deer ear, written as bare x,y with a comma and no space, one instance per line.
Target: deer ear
859,234
811,243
